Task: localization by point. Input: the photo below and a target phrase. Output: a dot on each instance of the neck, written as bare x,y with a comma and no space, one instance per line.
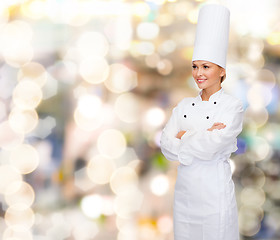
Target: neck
206,93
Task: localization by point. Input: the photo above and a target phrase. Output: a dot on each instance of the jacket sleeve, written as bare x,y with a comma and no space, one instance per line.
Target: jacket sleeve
169,144
205,144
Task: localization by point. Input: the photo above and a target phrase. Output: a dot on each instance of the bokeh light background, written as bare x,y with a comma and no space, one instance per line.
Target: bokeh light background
86,87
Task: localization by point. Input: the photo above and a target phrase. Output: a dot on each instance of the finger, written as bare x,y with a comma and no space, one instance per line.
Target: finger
218,127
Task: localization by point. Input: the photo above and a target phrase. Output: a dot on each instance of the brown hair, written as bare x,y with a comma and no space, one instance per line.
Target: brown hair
223,78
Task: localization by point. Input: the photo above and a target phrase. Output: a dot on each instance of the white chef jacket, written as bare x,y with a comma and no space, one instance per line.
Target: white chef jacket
204,200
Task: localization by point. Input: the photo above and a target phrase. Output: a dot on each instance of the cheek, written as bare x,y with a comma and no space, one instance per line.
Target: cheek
214,75
193,73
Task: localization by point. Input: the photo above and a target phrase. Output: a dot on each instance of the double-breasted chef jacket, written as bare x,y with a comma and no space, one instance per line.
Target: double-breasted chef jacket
204,200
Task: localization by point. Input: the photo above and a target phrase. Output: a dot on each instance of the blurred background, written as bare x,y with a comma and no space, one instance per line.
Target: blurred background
86,87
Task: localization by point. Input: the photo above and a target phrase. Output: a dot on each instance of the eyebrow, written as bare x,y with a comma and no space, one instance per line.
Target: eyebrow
201,64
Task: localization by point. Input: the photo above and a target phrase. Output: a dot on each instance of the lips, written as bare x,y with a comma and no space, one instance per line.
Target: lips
201,80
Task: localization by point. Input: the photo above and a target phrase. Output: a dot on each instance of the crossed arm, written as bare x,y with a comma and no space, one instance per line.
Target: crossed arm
217,125
221,137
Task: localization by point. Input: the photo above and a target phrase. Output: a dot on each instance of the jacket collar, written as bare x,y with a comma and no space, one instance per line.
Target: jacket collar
214,97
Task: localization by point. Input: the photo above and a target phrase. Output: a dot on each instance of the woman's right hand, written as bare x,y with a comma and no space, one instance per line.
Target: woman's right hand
217,125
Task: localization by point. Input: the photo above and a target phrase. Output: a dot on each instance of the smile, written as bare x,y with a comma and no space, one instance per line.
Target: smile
201,80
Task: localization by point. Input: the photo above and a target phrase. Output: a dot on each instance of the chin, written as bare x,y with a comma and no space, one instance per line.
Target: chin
200,87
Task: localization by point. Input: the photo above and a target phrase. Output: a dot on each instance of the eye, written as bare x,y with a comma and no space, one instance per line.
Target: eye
206,66
194,66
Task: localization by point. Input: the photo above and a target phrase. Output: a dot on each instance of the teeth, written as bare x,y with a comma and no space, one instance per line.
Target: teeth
201,80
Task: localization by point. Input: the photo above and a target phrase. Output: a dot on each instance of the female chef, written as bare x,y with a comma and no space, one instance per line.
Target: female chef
201,134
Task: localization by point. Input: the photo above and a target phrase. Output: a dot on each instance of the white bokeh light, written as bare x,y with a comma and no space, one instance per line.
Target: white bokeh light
94,69
147,30
94,205
9,176
33,71
111,143
23,121
89,105
121,79
100,169
24,158
92,44
159,185
27,95
124,179
127,107
155,117
89,113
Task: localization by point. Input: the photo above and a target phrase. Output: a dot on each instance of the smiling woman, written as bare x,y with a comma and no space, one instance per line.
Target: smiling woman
201,134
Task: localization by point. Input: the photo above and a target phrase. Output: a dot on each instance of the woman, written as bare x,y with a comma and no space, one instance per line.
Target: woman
201,134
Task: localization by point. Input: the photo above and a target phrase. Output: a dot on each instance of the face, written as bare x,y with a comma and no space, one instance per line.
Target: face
207,75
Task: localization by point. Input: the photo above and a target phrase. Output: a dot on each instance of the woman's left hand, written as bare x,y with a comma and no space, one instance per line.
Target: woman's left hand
180,134
217,125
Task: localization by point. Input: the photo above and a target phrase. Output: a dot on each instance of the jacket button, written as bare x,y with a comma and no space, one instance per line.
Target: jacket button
207,117
185,116
193,104
215,102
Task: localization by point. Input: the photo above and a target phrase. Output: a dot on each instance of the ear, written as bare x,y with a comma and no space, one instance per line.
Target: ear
223,72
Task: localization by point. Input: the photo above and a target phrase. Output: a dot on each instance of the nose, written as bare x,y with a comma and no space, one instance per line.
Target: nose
199,71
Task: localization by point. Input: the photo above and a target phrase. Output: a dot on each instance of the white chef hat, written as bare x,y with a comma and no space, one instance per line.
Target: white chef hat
212,33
